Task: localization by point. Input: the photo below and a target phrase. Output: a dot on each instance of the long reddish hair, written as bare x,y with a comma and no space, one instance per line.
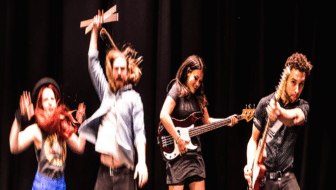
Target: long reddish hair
60,122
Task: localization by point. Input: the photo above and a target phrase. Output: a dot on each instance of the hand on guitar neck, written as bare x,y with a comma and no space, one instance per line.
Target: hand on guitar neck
182,143
273,110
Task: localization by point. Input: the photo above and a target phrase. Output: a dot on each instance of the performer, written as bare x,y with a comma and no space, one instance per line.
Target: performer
117,127
287,116
55,127
185,97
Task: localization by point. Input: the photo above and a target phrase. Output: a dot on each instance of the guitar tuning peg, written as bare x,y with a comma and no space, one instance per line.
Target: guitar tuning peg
254,106
249,106
246,106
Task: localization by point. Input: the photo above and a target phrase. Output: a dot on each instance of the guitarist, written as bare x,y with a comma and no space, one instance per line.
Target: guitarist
184,98
287,116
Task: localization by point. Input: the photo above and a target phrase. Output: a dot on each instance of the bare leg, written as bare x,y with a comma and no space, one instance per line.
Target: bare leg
197,185
176,187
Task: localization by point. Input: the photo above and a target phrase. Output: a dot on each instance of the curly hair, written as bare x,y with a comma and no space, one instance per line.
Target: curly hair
299,61
132,61
193,62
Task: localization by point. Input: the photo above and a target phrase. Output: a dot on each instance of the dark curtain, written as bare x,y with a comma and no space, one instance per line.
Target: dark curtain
244,45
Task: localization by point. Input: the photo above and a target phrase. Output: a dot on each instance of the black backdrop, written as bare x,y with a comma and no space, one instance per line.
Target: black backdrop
243,43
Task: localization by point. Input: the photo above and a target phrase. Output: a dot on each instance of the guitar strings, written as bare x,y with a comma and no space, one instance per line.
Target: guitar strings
168,140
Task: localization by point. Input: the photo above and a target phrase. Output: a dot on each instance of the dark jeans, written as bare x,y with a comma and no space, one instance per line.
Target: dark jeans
287,182
118,179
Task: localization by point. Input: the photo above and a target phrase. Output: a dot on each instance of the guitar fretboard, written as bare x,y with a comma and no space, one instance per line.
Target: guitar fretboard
168,140
209,127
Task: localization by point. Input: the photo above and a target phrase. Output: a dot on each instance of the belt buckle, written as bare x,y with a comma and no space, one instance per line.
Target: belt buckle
111,171
272,175
275,175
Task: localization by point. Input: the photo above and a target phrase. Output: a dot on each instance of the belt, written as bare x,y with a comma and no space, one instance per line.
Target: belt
112,171
277,175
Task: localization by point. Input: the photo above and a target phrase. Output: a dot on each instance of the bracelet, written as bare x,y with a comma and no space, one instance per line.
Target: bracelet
177,139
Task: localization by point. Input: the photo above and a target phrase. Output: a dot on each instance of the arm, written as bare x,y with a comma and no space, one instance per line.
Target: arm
139,140
76,144
250,153
97,24
289,117
96,72
20,141
165,118
292,117
167,122
141,167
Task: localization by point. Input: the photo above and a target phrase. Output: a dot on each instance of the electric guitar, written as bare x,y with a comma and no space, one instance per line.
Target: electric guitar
186,130
258,169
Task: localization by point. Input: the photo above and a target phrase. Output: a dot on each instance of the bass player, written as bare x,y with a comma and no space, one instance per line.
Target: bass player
184,98
287,116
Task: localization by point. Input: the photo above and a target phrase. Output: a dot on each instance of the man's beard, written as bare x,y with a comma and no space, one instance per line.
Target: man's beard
119,83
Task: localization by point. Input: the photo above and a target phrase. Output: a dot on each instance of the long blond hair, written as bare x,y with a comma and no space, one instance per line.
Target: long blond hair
127,53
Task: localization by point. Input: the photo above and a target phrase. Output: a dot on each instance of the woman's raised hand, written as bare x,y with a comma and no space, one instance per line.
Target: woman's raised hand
26,106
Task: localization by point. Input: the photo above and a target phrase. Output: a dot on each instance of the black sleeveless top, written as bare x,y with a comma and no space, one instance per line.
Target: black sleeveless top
51,158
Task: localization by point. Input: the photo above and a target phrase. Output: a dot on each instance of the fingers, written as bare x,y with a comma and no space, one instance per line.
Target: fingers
143,180
21,105
136,173
234,120
183,151
182,146
25,103
98,20
247,173
141,171
272,110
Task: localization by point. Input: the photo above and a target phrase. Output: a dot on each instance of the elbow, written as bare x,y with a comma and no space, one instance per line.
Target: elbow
79,151
81,148
163,116
13,150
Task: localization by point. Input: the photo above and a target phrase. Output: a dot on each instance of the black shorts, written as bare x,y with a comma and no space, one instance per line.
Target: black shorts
190,180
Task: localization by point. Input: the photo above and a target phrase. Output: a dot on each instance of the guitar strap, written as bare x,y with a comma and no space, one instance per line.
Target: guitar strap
272,131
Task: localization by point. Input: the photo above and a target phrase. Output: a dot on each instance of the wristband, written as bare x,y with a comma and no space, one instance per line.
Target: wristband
18,116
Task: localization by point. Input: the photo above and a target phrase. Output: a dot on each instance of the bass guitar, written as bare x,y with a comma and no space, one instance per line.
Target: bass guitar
186,130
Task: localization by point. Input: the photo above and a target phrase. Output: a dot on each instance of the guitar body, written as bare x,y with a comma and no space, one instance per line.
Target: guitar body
258,171
168,146
187,131
261,174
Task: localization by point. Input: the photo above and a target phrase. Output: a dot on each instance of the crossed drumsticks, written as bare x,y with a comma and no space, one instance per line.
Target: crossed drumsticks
109,16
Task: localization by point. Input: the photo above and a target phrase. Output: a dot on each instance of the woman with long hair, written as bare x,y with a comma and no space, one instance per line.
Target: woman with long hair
184,98
54,128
